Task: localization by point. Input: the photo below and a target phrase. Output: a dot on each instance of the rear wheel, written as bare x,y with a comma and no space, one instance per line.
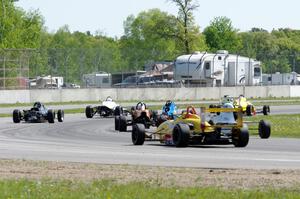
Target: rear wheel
89,112
50,116
249,110
117,122
60,115
122,124
16,116
266,110
181,135
240,137
138,134
264,129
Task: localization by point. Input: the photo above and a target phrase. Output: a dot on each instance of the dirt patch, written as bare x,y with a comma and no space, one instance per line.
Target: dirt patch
162,176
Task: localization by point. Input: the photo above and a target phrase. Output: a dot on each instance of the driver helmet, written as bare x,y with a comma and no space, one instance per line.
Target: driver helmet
109,99
37,105
141,106
227,99
169,108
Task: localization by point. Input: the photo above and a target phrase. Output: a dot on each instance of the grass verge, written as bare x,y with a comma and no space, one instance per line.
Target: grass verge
108,189
281,125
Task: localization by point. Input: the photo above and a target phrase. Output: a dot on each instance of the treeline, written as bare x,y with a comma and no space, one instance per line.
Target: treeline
150,36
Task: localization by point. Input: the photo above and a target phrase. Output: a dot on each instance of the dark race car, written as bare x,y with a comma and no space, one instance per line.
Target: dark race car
38,113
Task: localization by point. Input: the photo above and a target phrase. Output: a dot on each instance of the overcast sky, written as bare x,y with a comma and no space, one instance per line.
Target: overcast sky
107,16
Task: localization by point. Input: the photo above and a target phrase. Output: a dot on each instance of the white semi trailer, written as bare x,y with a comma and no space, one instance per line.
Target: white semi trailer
217,69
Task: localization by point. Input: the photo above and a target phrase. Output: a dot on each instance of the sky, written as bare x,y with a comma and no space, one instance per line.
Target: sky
107,16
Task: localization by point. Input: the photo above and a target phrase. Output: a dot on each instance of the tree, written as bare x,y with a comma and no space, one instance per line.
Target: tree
220,34
19,29
188,32
148,37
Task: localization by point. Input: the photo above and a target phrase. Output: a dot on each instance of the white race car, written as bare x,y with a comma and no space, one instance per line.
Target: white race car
107,109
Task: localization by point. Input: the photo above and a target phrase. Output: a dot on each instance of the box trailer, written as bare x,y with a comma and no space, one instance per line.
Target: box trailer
217,69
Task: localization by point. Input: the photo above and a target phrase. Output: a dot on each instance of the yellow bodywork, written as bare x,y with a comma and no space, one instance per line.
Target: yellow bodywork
243,103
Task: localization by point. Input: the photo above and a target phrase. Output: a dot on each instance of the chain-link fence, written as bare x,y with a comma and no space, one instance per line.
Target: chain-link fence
74,68
14,68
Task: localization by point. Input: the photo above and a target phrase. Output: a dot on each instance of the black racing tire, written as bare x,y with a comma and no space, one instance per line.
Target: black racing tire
249,110
50,116
118,111
60,115
16,116
122,124
181,135
218,106
138,134
264,129
161,119
266,109
89,112
241,137
154,116
117,122
212,106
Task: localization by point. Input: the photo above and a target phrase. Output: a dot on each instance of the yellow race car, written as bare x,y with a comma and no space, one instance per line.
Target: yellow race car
248,108
191,128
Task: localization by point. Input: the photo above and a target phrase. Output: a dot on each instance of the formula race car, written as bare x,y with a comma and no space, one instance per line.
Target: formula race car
108,108
138,114
191,129
38,113
241,102
248,107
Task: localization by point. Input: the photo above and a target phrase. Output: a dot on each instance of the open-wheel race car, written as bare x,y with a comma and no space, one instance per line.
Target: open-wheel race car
38,113
139,114
106,109
248,108
208,128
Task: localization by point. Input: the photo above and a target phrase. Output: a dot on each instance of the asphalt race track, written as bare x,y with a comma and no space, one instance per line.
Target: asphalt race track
79,139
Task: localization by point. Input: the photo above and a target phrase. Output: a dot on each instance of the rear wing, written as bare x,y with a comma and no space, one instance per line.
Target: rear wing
237,124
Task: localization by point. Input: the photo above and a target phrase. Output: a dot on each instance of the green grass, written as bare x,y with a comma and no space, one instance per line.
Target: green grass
281,125
5,115
110,190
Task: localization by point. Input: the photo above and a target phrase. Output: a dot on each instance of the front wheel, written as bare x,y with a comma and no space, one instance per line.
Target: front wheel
138,134
60,115
264,129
